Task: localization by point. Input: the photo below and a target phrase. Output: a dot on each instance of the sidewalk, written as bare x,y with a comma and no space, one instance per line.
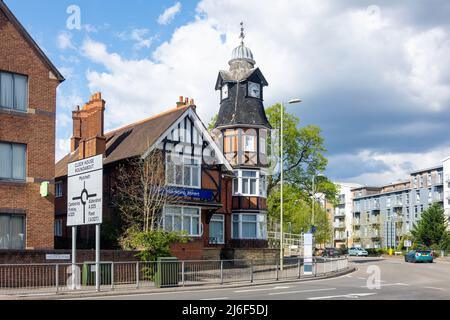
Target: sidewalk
89,294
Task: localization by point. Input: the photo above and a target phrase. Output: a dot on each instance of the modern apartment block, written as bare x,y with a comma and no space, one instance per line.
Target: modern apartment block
382,215
343,215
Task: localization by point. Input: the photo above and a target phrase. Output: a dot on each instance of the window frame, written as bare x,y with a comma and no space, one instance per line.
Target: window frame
58,228
222,221
59,189
24,229
259,177
257,222
190,234
25,168
183,166
27,92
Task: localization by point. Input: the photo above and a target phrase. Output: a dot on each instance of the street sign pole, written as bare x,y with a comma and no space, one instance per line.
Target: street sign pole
74,258
97,257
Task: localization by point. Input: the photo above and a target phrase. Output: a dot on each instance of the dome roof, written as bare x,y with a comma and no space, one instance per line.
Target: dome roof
242,53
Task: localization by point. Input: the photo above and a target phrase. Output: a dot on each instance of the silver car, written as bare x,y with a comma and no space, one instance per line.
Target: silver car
359,252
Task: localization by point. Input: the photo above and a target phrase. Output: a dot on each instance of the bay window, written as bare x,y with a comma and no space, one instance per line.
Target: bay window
216,229
250,183
183,219
183,171
249,226
13,91
249,143
12,161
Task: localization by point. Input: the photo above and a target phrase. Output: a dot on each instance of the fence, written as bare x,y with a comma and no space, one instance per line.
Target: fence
60,278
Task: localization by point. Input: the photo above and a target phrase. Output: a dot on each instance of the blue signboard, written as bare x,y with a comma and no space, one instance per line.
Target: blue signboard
200,194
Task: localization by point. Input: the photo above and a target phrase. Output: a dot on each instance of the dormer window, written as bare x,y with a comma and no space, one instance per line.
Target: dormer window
254,90
250,143
225,92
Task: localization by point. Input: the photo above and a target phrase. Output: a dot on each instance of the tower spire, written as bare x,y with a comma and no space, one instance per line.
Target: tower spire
242,36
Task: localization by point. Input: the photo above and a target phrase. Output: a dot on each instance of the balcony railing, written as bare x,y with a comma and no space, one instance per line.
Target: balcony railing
339,213
375,220
356,221
339,225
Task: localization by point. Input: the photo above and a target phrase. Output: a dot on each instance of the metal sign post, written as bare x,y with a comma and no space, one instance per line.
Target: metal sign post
308,253
85,203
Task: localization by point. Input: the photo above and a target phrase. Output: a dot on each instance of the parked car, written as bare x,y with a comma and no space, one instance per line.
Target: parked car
332,252
359,252
419,256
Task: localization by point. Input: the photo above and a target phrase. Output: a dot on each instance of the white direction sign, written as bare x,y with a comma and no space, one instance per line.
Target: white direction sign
85,192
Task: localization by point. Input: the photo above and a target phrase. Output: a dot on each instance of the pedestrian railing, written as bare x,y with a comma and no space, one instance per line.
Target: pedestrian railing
25,279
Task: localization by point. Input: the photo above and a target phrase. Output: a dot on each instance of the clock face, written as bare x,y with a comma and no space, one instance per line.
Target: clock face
254,90
225,92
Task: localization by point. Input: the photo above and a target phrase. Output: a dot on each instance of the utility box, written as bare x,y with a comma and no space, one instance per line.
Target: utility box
88,274
167,272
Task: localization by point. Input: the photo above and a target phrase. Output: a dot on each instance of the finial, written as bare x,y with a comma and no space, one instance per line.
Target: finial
242,36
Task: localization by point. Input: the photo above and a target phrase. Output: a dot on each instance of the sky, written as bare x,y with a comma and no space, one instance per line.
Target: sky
374,75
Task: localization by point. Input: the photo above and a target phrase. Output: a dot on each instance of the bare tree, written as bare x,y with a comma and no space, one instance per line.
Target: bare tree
141,191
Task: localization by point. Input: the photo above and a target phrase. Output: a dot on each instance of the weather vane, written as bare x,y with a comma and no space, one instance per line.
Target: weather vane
242,36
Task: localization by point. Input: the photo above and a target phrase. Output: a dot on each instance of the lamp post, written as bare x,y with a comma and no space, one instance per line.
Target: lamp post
293,101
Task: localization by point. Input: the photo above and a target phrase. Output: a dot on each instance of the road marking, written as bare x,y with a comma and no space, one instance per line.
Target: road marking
347,276
222,298
389,285
263,289
435,288
348,296
300,291
361,278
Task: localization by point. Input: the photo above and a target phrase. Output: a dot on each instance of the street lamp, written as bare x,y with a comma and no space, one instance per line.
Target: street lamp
293,101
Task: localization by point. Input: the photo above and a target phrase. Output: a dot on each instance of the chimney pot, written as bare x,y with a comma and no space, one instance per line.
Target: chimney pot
181,98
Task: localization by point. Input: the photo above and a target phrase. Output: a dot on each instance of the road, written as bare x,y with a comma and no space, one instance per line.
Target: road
397,281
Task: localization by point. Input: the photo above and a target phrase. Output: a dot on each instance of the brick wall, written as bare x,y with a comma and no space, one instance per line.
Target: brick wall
36,129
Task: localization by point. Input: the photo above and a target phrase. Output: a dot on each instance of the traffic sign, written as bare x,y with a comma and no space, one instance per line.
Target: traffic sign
85,192
408,243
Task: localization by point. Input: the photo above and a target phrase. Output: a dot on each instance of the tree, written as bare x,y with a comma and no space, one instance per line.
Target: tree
212,123
141,191
431,230
302,155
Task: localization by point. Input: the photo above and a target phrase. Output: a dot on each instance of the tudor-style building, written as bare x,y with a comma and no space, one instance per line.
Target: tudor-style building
242,130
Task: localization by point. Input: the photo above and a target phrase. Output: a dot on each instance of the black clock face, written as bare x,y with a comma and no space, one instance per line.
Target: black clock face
254,90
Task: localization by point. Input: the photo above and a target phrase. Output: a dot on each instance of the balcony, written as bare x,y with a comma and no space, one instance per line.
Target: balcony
339,213
375,206
339,224
398,204
375,219
340,236
438,197
356,221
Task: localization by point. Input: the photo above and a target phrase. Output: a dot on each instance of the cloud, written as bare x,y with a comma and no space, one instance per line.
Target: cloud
64,40
139,36
169,14
373,78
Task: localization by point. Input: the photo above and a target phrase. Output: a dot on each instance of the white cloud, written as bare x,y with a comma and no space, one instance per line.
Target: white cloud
321,49
139,36
62,148
169,14
64,40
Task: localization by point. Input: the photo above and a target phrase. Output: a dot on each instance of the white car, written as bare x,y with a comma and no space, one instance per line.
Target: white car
359,252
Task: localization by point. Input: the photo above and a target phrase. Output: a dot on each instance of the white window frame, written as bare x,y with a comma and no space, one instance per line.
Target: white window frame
184,158
172,216
249,143
258,236
214,218
239,176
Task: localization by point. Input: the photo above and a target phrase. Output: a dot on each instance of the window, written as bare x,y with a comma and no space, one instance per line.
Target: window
388,201
12,232
13,91
249,226
430,195
12,161
58,227
216,229
417,195
421,182
250,183
58,189
262,145
249,143
415,182
429,179
181,219
183,171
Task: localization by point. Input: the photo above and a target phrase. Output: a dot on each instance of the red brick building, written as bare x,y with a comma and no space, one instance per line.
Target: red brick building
28,82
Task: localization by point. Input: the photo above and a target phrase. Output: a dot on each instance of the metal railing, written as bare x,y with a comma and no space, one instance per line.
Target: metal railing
21,279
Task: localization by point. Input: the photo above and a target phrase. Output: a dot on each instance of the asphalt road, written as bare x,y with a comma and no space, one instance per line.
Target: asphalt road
375,279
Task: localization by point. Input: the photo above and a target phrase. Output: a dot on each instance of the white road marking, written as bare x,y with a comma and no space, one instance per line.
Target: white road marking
300,291
222,298
347,276
435,288
348,296
361,278
263,289
390,285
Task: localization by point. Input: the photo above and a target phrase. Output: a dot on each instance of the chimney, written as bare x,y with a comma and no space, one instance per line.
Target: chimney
88,128
184,102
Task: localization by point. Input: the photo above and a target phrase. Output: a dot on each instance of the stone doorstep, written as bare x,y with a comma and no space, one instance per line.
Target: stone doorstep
131,292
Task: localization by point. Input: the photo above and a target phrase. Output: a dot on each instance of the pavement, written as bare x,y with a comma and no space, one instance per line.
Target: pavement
375,279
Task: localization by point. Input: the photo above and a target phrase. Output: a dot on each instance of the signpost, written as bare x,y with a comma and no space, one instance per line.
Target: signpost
407,244
85,203
307,252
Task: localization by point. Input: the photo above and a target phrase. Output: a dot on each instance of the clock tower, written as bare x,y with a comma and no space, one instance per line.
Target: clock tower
242,130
